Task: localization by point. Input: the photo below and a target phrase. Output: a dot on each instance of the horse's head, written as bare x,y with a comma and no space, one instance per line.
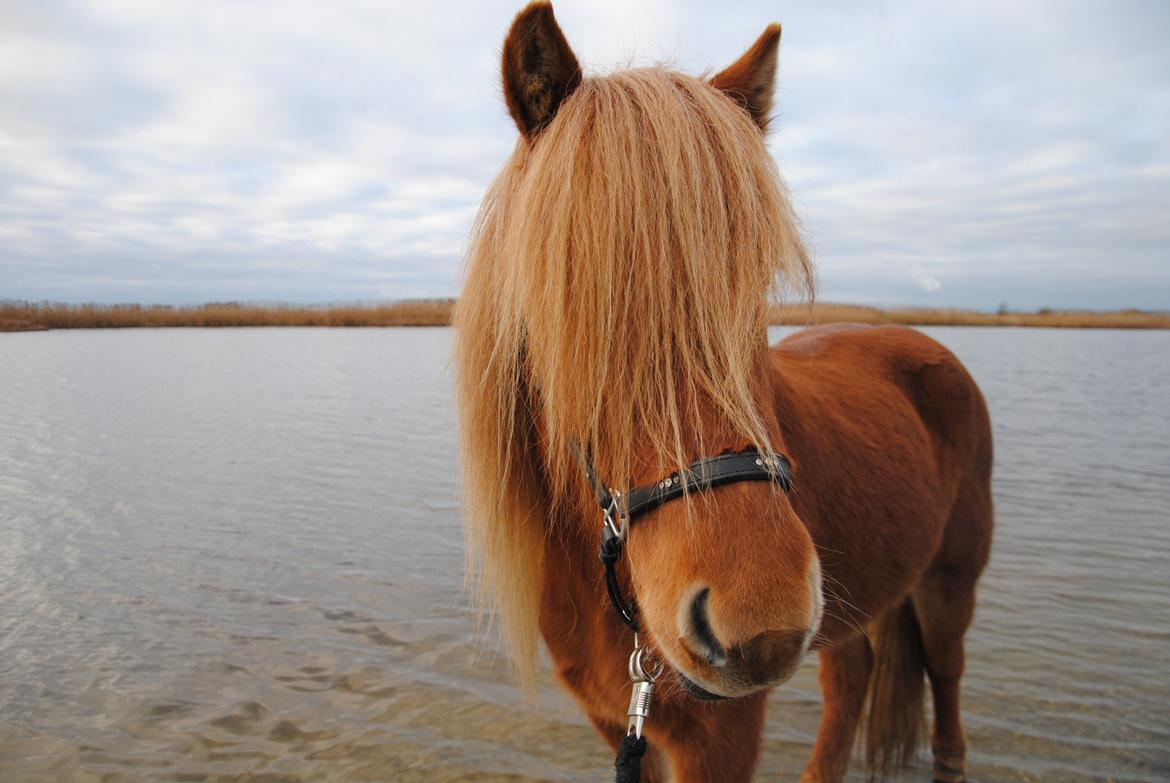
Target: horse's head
731,596
616,306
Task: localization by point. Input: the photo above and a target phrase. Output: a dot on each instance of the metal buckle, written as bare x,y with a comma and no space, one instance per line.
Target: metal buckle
612,513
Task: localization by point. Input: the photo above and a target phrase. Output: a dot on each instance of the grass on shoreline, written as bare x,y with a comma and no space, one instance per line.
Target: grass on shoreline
31,316
827,312
55,315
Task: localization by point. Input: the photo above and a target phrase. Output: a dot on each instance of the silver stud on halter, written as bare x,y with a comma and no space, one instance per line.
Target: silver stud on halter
644,670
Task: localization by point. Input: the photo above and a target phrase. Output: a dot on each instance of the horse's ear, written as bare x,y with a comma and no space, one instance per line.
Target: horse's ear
750,80
540,70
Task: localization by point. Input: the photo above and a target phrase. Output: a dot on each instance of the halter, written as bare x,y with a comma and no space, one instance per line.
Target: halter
620,513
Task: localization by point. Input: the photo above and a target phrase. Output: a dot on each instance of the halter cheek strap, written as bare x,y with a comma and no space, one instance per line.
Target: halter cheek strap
620,512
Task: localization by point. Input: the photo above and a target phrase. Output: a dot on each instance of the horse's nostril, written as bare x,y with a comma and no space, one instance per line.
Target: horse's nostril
699,632
772,656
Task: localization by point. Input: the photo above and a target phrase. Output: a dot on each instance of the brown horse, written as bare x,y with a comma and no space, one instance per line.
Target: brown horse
616,305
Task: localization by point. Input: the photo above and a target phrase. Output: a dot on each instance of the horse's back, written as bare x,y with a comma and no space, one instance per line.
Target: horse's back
901,346
881,361
888,431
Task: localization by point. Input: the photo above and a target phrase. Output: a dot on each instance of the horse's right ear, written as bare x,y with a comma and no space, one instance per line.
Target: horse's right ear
540,70
751,79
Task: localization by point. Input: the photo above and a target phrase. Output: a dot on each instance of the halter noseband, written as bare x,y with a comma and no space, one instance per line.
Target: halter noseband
620,512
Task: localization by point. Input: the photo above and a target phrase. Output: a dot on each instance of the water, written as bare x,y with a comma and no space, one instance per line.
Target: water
234,555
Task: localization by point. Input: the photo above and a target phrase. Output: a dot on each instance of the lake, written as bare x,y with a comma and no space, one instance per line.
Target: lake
235,555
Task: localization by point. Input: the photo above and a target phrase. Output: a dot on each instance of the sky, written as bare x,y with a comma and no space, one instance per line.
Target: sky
960,154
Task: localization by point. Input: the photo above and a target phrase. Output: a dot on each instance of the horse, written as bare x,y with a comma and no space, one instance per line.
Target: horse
612,333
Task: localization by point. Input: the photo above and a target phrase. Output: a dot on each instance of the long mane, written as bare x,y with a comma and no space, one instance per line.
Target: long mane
617,283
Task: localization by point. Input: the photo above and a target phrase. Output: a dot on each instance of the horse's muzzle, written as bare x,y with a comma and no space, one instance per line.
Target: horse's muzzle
725,670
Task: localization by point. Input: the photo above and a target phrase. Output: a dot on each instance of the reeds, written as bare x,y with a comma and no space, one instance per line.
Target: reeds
14,325
827,312
31,316
56,315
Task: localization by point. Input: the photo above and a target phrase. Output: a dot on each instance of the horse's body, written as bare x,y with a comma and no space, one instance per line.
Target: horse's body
892,445
616,306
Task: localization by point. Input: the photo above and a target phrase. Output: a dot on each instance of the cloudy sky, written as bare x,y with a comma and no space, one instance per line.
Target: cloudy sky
940,154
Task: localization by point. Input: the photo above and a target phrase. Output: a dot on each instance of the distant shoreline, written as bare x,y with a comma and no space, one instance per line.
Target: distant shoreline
38,316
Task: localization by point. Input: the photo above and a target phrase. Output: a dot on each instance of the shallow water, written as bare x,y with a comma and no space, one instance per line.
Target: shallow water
231,555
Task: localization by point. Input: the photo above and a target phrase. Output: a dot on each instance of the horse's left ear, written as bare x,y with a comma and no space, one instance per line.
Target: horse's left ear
751,79
540,70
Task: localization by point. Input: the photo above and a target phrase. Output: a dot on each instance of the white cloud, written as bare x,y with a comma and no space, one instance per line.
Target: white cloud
926,281
187,150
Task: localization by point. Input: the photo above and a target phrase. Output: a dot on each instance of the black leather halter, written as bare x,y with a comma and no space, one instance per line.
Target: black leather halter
621,512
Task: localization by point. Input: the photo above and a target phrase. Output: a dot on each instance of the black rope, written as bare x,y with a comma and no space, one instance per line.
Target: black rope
628,764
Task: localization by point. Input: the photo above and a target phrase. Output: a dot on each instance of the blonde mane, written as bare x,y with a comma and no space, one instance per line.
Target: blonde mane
617,284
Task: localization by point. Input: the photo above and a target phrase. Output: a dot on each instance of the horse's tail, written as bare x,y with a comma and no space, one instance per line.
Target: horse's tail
896,719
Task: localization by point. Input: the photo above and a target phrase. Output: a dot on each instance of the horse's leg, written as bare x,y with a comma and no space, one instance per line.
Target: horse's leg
844,675
945,603
944,612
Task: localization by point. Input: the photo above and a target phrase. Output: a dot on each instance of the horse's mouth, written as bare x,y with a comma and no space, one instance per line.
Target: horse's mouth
698,691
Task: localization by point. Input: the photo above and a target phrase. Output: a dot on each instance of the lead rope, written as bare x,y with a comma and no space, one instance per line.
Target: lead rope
628,764
644,670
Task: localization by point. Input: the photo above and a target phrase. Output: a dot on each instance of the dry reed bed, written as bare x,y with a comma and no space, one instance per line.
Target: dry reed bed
30,316
422,312
824,313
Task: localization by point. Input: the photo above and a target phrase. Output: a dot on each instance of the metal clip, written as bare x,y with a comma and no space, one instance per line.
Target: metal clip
642,679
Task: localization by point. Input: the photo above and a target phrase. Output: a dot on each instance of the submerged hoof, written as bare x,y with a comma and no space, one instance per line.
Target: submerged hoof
944,773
